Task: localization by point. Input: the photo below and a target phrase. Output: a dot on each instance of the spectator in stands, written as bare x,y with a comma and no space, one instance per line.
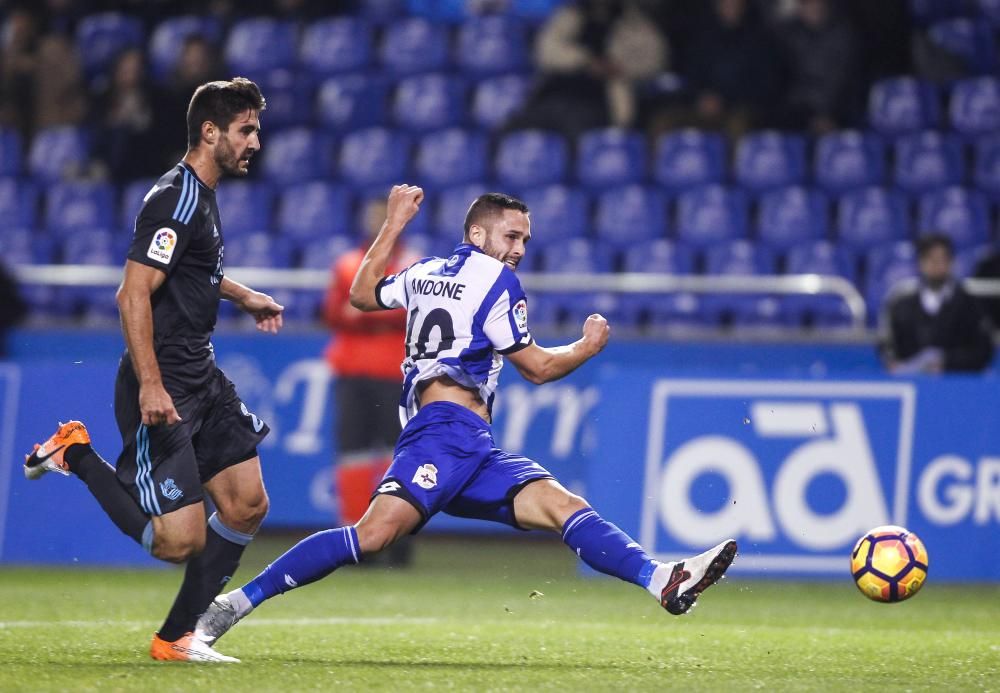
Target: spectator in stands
60,97
364,355
591,55
821,54
12,307
123,119
933,325
18,56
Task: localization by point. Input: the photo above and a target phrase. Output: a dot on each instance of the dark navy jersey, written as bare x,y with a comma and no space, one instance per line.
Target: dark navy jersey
178,231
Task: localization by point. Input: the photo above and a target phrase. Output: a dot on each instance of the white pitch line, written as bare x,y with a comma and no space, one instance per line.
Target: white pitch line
259,622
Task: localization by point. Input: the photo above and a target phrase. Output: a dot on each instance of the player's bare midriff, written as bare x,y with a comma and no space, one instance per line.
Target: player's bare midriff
444,389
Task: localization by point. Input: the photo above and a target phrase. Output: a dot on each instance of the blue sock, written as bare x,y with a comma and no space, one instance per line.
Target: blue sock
311,559
606,548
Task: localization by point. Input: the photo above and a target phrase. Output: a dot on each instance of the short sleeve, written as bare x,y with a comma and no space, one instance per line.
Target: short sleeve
506,324
161,234
390,292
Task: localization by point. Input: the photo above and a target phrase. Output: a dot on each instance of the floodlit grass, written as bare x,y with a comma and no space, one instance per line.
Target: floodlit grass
464,617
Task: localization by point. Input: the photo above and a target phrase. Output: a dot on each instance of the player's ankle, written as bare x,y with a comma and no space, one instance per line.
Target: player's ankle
241,603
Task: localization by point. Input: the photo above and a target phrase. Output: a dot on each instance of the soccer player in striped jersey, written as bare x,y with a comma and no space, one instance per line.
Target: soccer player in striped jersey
465,314
184,429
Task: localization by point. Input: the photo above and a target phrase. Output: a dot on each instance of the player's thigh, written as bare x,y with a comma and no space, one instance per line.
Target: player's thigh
545,504
388,519
239,496
229,432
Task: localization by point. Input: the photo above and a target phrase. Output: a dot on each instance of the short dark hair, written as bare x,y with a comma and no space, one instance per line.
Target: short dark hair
220,102
930,241
490,204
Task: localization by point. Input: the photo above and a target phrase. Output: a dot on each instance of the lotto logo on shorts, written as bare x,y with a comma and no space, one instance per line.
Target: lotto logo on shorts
161,248
426,476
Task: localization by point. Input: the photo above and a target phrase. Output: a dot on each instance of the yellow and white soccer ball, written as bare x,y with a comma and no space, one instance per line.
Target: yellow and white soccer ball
889,564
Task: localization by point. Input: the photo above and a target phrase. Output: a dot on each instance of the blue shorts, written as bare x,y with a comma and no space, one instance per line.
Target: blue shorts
446,460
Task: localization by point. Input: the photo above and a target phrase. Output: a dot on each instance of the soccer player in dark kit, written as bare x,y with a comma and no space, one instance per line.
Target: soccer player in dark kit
184,429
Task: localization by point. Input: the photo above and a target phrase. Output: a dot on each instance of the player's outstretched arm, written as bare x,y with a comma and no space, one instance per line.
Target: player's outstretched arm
264,309
403,204
542,365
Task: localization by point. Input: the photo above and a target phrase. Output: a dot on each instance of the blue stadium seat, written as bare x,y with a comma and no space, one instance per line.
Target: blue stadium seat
334,45
297,155
887,266
258,45
452,205
688,159
244,207
870,217
11,152
374,156
492,44
413,45
926,161
659,256
986,166
531,157
381,11
711,214
168,39
960,214
557,211
314,210
422,245
738,257
575,255
974,106
441,11
259,249
900,105
25,246
290,97
429,102
790,215
759,311
767,160
847,160
18,203
347,102
74,207
990,11
577,307
320,253
610,156
57,152
629,214
682,310
495,99
969,40
534,10
93,246
967,259
449,157
132,198
101,37
883,257
818,311
820,257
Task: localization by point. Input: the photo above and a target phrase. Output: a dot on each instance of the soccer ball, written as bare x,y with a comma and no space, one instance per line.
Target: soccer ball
889,564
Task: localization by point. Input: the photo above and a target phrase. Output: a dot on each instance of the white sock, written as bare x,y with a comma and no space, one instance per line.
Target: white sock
240,602
659,579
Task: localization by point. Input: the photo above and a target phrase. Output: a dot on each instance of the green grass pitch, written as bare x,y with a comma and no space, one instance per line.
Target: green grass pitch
493,614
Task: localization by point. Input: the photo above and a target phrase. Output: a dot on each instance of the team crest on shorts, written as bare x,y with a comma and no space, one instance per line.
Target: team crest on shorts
426,476
169,490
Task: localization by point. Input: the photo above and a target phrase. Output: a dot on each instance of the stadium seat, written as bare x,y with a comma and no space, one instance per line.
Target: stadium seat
557,211
334,45
974,106
449,157
294,156
57,152
900,105
883,257
131,203
290,98
168,39
578,306
534,10
927,160
259,249
711,214
441,11
610,156
495,99
960,214
11,152
528,158
990,11
101,37
74,207
759,311
491,45
630,213
688,159
314,210
374,156
347,102
767,160
820,257
575,256
381,11
659,256
18,203
888,266
93,246
969,40
429,102
738,257
967,259
789,215
321,252
25,246
682,309
870,217
244,206
848,160
413,45
258,45
452,206
986,166
817,311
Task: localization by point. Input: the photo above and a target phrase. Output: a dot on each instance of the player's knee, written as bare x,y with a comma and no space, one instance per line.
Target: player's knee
375,537
247,514
178,549
563,507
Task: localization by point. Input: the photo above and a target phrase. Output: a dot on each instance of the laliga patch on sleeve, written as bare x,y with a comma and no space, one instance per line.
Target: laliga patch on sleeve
161,248
521,315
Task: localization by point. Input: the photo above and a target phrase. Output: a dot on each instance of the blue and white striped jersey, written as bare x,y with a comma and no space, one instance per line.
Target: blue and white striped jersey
463,313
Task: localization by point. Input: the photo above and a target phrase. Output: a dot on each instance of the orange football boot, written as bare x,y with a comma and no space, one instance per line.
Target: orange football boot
186,648
49,456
